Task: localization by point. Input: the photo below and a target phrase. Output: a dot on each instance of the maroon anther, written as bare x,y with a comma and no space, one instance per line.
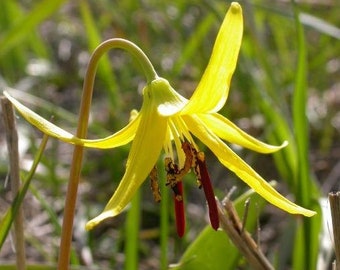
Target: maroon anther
208,191
179,208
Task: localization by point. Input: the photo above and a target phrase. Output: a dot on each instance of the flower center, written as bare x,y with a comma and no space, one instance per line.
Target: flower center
174,175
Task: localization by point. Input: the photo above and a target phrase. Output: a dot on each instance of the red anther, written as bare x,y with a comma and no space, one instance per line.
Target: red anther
179,208
208,191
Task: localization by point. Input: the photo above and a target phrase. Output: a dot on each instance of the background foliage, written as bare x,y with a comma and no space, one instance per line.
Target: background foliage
286,87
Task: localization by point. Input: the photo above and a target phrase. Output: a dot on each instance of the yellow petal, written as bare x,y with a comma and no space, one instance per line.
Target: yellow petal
41,123
123,136
233,162
143,156
226,130
212,91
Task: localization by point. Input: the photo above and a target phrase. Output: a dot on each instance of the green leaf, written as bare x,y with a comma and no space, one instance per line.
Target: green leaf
209,249
208,252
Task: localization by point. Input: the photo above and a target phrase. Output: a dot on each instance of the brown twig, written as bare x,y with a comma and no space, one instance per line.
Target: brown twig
334,201
12,146
231,224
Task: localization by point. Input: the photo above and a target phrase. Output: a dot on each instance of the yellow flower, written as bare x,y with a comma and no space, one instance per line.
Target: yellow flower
167,120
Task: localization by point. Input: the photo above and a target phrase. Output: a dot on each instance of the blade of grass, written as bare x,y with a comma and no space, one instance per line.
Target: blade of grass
164,223
27,24
307,243
8,217
132,233
14,61
320,25
300,123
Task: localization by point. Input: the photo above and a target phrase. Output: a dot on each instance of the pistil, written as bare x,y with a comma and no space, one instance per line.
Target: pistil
208,191
174,179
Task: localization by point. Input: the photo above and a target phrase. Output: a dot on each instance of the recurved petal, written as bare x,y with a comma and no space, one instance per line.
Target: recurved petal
212,91
121,137
228,131
41,123
233,162
143,155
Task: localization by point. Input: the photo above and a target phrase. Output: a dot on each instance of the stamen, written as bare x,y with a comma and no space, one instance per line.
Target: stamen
179,209
171,169
174,180
174,177
174,174
194,164
208,191
187,149
154,185
177,192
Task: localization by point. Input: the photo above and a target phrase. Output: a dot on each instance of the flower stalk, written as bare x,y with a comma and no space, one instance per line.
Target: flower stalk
208,191
72,189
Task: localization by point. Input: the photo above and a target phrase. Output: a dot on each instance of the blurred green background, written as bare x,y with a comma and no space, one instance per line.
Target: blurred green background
286,87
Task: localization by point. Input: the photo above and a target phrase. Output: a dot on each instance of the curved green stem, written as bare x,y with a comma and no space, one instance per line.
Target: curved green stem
71,195
118,43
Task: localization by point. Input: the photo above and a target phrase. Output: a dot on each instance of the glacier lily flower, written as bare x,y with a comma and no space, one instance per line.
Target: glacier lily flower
168,121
